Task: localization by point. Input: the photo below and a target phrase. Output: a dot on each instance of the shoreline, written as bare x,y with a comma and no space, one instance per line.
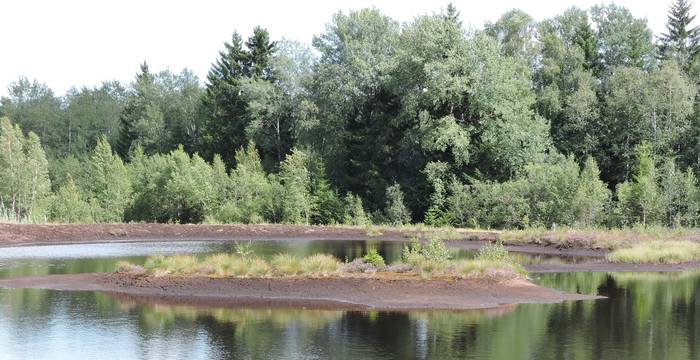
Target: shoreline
342,293
17,235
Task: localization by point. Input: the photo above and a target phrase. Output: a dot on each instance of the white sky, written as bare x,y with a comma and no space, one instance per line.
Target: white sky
83,42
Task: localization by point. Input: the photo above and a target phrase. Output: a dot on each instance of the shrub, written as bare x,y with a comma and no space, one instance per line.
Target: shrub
436,251
373,257
358,266
493,252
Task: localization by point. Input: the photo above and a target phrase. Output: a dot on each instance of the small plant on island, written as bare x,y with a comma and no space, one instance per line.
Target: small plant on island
373,257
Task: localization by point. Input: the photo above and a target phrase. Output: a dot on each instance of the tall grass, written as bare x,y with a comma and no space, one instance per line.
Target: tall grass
658,252
424,260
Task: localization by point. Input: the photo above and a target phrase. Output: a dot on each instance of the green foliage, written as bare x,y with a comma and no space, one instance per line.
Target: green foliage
680,41
251,199
658,252
109,184
24,179
641,201
296,181
493,252
434,252
520,124
373,257
592,197
68,205
396,211
354,213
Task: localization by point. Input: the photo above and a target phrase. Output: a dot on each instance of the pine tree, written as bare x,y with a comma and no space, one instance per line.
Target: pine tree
680,42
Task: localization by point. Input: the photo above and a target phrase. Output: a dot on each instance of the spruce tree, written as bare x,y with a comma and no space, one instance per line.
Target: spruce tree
680,42
142,121
224,99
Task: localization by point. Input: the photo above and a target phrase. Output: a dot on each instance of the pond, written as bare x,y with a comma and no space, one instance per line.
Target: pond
647,316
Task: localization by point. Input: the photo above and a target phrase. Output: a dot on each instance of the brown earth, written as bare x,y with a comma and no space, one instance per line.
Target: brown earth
55,234
347,293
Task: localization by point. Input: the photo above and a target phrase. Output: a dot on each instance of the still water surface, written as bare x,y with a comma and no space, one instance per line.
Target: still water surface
647,316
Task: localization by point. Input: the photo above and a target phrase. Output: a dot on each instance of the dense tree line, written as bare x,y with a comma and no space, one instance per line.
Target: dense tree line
584,119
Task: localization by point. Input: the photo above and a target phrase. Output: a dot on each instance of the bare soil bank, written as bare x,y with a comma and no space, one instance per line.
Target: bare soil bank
55,234
336,293
52,234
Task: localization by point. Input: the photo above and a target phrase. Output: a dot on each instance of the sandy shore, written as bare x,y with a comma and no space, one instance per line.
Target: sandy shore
337,293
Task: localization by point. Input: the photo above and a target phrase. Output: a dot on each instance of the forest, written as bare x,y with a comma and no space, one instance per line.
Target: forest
586,119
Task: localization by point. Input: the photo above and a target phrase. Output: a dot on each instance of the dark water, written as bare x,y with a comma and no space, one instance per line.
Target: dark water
647,316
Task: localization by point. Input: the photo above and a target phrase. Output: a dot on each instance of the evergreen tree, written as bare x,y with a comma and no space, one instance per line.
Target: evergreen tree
142,121
225,101
680,41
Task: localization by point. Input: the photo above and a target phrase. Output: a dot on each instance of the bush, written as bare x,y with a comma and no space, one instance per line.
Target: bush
493,252
373,257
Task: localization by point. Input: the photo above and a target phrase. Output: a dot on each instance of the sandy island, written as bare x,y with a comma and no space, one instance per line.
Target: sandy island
346,293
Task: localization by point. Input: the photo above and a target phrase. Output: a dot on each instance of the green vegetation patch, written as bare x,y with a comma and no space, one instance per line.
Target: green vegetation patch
658,252
425,260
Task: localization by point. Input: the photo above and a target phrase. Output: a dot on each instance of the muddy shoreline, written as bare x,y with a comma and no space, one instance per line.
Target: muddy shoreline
12,235
400,294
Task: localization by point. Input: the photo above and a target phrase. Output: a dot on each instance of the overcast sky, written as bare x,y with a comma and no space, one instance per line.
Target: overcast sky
83,42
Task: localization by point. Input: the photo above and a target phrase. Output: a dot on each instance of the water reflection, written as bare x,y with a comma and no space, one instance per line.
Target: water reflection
648,316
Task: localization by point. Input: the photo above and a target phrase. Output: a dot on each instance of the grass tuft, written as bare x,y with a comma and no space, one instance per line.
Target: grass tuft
285,264
319,264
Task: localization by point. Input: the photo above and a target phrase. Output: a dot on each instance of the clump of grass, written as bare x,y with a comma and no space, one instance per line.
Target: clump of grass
178,264
658,252
468,268
285,264
373,257
258,267
319,264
